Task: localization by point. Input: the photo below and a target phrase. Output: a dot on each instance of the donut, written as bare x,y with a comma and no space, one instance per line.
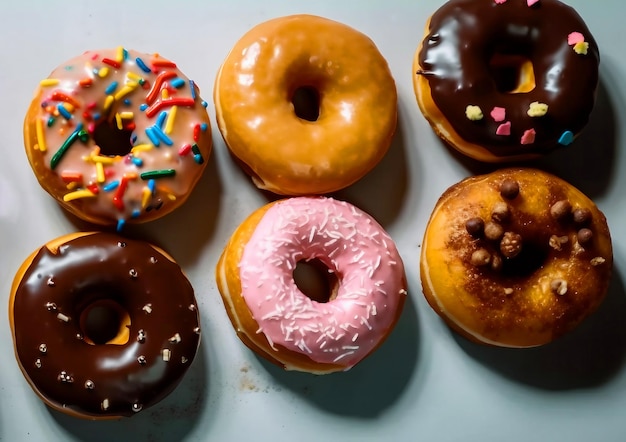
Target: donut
506,80
276,319
305,105
515,258
103,326
115,135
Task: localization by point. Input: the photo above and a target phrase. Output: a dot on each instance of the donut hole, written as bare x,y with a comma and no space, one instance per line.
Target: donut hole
105,322
112,141
315,280
530,259
512,73
306,103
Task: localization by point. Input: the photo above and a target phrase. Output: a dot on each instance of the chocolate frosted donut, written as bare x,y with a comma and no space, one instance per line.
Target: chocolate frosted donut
103,326
504,80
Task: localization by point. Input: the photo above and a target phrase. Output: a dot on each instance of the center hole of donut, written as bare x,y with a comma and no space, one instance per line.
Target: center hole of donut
306,103
112,140
531,258
104,322
512,74
314,280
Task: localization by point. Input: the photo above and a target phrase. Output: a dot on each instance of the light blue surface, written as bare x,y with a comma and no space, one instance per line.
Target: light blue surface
425,383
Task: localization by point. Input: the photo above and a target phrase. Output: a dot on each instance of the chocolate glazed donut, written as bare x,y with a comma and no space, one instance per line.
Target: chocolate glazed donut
77,366
475,53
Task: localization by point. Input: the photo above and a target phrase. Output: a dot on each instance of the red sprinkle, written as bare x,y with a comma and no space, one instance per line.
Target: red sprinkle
156,86
115,64
71,177
196,132
85,82
161,62
167,102
184,149
118,201
60,96
93,188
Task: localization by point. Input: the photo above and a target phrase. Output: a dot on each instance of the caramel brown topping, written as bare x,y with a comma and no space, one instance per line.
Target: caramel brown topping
584,235
501,212
511,244
582,216
509,189
561,210
493,231
475,227
480,257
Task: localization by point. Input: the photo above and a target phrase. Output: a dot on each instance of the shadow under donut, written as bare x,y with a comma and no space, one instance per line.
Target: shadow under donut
586,357
361,391
171,419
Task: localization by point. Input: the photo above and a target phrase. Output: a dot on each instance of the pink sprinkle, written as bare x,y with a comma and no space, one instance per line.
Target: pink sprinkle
531,2
498,114
499,2
504,129
528,137
575,37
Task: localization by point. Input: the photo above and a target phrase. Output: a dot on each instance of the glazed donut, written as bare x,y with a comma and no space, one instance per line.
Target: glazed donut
103,326
115,135
305,104
504,80
273,317
515,258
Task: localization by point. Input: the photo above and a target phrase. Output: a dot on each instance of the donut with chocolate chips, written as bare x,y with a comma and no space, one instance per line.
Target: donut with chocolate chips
519,280
103,326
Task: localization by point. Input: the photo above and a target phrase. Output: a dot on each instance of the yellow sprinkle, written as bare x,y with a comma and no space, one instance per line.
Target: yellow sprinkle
41,140
581,47
127,115
140,148
49,82
119,57
108,102
102,159
118,120
133,76
171,196
103,72
71,186
473,113
83,193
145,197
165,93
100,173
127,89
169,124
537,109
68,107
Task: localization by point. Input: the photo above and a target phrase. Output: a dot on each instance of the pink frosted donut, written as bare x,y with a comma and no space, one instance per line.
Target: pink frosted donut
270,312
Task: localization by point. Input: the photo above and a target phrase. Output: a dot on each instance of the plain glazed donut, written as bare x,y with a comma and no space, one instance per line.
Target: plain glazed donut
504,80
115,135
515,258
103,326
348,119
273,317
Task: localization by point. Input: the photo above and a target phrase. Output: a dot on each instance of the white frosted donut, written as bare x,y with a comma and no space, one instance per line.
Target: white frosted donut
270,312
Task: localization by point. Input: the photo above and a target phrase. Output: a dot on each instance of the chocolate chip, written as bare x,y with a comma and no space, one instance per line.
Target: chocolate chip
475,227
561,210
582,216
493,231
480,257
511,244
584,235
509,189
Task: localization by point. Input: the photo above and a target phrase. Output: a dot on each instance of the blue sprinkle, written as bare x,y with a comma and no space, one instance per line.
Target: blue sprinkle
151,185
143,106
204,127
96,116
198,158
95,71
64,112
177,82
566,138
111,88
127,102
125,52
137,161
204,103
142,65
110,186
192,86
133,139
161,119
161,135
120,224
135,213
150,131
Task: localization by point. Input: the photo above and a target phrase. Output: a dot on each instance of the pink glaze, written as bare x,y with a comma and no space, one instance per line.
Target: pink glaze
354,247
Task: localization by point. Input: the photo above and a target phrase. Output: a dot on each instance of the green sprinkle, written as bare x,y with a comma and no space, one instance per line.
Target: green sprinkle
155,174
78,134
51,121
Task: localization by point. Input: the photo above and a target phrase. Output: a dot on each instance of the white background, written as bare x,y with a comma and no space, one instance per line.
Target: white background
425,383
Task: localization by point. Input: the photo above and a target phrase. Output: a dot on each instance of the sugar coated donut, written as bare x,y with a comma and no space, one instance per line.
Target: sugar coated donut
307,105
504,80
270,313
115,135
515,258
103,326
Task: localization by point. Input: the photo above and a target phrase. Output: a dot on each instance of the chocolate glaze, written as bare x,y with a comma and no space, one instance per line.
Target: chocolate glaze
462,38
131,376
